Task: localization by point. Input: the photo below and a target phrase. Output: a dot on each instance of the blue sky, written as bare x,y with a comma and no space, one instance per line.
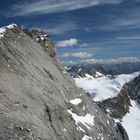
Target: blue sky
81,29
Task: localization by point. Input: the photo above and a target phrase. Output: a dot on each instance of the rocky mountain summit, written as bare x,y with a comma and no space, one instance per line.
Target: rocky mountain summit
38,98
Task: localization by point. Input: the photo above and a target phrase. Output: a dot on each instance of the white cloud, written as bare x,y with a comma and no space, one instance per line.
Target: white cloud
83,45
62,28
55,6
131,20
82,55
117,60
67,43
102,61
121,24
129,38
70,43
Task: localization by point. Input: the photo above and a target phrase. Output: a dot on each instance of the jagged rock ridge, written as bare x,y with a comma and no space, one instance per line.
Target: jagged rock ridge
38,99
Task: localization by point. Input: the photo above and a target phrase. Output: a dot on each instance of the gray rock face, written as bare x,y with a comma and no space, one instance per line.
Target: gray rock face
36,96
118,106
133,89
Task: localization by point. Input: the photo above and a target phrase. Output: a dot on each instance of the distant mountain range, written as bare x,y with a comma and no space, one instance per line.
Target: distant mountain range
106,69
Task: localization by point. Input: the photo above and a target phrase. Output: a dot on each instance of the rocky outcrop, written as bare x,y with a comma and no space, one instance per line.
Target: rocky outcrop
42,38
119,106
39,100
133,89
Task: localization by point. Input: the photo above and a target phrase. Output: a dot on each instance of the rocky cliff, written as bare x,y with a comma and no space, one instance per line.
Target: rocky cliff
133,89
39,100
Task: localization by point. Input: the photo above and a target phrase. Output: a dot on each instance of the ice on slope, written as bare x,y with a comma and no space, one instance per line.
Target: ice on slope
131,122
3,29
104,87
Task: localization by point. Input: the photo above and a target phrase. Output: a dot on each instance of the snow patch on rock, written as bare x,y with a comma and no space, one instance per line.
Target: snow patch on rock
86,138
98,74
3,29
75,101
87,120
2,32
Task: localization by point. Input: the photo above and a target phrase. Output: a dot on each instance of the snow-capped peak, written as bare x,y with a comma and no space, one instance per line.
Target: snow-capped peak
67,68
10,26
98,74
3,29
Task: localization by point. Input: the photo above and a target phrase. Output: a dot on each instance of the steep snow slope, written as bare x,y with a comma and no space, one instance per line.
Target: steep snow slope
131,122
104,87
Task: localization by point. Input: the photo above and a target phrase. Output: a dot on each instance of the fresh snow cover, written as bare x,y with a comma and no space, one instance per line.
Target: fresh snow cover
131,122
75,101
86,138
3,29
65,130
98,74
2,32
87,120
88,76
10,26
67,68
104,87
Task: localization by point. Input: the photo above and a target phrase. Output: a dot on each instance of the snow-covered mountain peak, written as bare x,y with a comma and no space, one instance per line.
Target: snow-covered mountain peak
98,74
3,29
10,26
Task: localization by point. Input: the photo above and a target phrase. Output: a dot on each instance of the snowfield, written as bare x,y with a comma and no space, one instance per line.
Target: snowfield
104,87
131,122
